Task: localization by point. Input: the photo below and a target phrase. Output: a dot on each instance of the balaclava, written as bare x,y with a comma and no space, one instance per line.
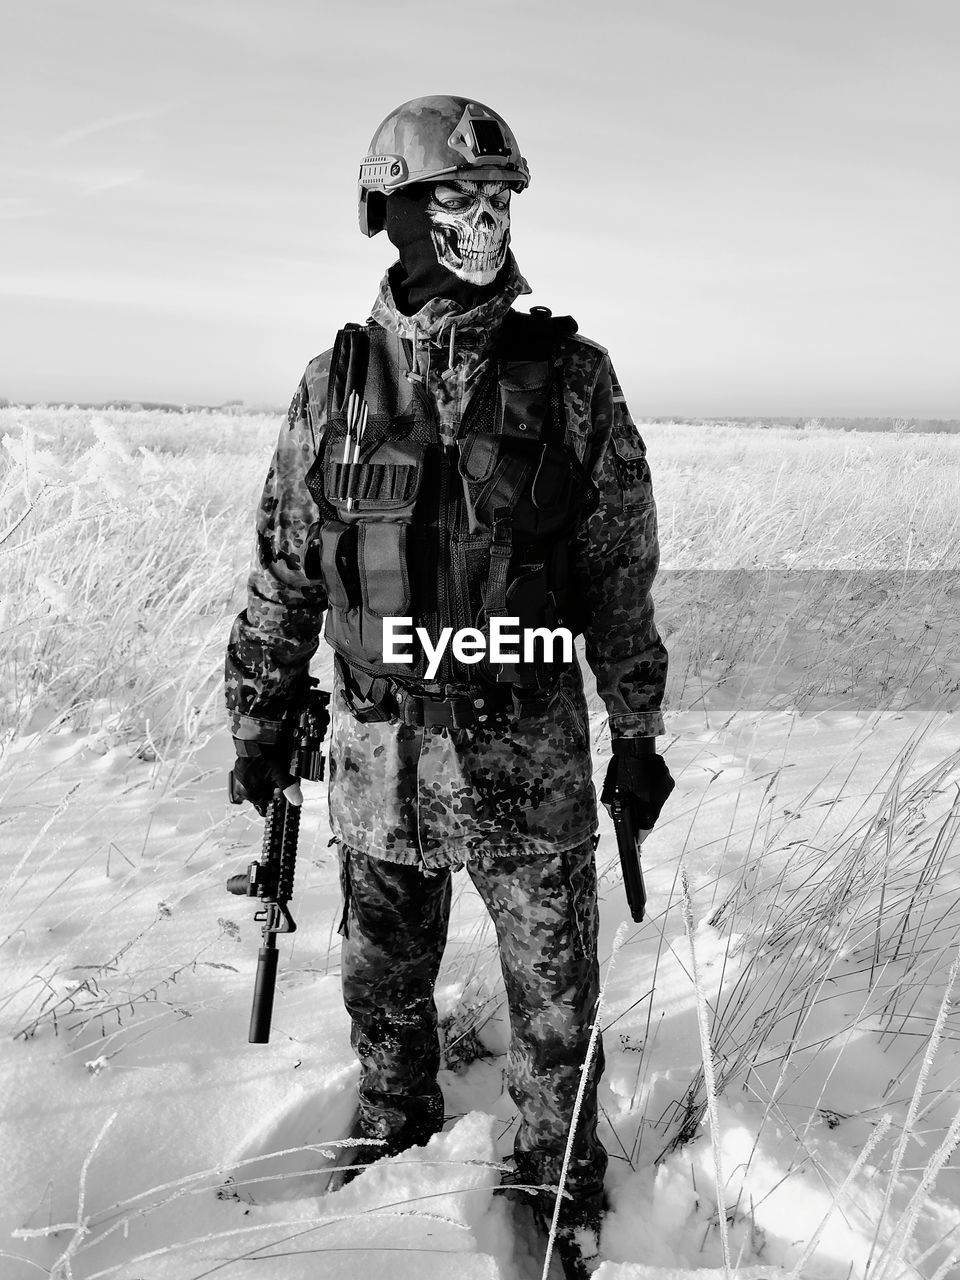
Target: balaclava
452,237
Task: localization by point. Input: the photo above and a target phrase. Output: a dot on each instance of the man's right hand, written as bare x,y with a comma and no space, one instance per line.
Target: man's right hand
259,770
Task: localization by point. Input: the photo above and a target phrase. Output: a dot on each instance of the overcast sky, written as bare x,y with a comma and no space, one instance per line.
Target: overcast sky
754,205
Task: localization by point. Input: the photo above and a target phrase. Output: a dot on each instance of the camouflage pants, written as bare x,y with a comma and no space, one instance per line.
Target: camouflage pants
394,928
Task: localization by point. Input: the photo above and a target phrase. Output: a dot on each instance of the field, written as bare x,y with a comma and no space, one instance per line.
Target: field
781,1095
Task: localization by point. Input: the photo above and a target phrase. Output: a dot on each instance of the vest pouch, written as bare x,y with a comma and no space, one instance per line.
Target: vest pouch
524,391
551,489
530,601
384,480
338,564
478,456
384,578
377,550
504,469
356,635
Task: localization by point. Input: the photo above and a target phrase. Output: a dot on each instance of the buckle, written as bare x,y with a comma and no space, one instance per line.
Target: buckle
453,711
456,712
437,713
410,708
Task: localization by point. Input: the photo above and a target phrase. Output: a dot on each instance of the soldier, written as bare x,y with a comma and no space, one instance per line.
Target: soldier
457,463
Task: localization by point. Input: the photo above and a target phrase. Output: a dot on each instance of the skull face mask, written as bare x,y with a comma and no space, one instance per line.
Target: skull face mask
471,225
452,237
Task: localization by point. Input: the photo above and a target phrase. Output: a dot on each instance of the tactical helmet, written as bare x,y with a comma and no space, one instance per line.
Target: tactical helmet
431,138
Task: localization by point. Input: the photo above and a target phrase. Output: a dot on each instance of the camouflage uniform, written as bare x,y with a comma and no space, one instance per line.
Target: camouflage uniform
512,799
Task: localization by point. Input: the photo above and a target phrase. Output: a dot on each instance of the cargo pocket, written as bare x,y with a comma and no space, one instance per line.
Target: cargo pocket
580,879
633,470
576,718
344,927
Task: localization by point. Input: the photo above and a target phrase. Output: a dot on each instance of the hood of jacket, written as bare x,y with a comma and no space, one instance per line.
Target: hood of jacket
442,319
449,347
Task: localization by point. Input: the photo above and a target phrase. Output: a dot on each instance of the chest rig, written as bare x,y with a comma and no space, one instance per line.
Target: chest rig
450,533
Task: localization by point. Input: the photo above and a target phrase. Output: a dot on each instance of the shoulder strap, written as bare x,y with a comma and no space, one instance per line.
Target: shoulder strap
533,335
348,367
528,356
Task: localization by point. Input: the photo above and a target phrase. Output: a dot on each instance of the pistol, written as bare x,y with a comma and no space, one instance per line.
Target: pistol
625,823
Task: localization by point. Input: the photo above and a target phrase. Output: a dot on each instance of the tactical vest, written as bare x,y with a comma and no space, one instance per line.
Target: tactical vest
451,533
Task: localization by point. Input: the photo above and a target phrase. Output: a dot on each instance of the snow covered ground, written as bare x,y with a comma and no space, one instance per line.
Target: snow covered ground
813,733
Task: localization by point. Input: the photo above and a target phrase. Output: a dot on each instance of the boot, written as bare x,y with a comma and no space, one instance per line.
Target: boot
577,1242
417,1130
578,1234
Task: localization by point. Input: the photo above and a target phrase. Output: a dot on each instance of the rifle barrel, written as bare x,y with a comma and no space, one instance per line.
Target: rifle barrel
264,987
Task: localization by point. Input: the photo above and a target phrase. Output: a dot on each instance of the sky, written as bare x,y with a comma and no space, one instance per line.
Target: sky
754,205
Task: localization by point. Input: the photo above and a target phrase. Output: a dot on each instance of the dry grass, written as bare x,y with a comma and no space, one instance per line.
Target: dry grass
870,918
125,539
732,498
124,544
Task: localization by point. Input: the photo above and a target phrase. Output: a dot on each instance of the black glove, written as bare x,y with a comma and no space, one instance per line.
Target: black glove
261,768
637,772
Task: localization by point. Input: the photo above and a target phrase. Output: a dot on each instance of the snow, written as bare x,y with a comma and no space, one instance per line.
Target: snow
139,1121
815,821
637,1271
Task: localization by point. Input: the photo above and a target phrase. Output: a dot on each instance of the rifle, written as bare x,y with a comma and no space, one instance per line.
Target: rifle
271,879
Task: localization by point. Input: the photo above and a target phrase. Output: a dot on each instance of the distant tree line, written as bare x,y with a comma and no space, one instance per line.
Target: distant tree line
237,407
898,426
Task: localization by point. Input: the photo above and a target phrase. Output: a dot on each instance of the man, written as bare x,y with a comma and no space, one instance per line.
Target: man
456,464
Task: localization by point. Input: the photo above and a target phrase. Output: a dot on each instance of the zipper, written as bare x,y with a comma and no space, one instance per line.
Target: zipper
416,816
447,615
421,392
438,567
448,449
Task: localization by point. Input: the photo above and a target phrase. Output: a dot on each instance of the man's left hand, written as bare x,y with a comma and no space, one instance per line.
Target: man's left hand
636,771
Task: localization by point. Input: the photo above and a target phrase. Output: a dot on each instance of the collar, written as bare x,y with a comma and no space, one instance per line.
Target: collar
472,327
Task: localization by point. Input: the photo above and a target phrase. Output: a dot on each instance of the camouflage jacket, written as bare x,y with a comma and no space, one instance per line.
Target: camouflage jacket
424,796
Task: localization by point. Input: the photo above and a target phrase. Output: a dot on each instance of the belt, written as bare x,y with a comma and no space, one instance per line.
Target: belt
466,710
382,698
